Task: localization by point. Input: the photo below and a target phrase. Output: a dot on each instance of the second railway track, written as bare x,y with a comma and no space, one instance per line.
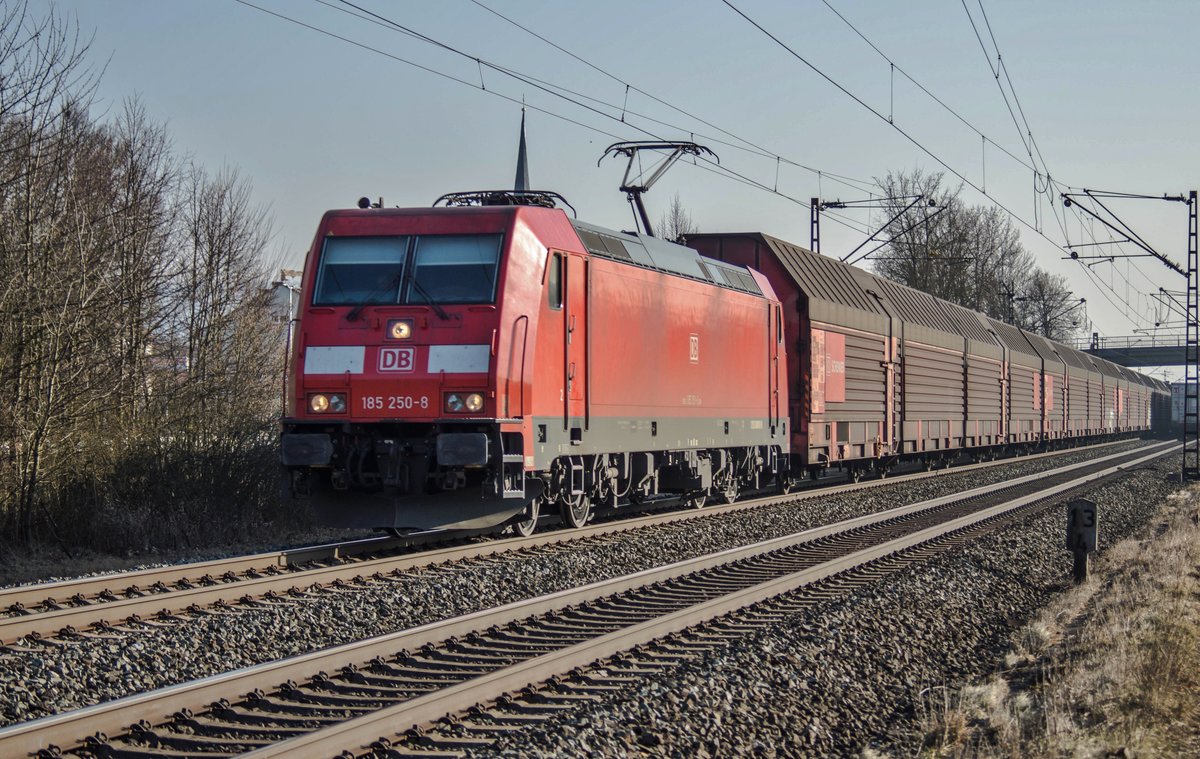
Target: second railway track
345,698
99,603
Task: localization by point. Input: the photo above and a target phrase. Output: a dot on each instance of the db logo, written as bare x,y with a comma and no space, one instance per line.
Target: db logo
395,359
694,348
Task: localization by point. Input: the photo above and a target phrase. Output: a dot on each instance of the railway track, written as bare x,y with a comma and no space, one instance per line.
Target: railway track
345,698
96,605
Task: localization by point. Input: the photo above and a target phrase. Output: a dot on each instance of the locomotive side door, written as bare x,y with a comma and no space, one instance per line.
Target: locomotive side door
575,364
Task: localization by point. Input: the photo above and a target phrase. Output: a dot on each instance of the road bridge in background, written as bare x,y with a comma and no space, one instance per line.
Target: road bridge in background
1137,350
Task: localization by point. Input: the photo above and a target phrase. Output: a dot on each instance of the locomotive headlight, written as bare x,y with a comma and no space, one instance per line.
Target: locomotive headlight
327,403
462,403
399,329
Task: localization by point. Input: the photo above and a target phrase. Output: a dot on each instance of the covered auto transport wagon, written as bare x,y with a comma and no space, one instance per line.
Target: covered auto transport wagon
878,372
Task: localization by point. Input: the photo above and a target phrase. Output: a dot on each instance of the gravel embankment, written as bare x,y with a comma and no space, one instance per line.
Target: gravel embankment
53,679
855,673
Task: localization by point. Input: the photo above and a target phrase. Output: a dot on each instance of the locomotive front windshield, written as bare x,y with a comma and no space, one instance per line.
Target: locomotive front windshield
360,270
433,269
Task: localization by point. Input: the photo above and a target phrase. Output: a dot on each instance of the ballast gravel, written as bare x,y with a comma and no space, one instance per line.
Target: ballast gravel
853,676
49,678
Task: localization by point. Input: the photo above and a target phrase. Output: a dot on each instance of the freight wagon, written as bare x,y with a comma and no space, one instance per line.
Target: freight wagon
880,373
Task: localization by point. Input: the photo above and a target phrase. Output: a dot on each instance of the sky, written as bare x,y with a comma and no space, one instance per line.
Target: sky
1107,88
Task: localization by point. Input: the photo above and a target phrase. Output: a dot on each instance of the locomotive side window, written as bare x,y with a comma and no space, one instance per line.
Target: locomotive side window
454,269
554,282
359,270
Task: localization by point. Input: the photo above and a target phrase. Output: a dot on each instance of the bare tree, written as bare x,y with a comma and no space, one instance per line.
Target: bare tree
970,255
221,316
676,223
1046,306
139,358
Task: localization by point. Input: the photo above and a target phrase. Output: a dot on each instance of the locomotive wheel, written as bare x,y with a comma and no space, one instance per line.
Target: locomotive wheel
729,493
695,500
527,522
577,514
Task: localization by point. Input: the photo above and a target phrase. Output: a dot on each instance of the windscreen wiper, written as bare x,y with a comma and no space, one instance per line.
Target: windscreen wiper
353,313
441,312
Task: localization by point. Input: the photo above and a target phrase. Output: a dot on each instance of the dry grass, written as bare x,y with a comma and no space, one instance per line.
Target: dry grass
1110,669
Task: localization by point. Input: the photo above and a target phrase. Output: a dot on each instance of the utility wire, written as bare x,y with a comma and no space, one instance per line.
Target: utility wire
996,75
926,90
554,91
545,86
426,69
883,118
758,149
724,171
892,124
1003,67
1031,165
1025,132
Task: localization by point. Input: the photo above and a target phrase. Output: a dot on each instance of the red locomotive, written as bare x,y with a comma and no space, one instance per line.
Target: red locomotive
471,365
464,366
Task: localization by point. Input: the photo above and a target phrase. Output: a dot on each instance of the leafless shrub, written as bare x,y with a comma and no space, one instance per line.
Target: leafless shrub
139,357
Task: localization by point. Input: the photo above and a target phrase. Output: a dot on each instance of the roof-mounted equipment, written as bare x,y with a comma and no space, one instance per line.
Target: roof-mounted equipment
634,191
542,198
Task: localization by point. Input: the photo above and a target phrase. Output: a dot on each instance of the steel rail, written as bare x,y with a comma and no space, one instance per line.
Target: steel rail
93,587
295,580
116,716
359,733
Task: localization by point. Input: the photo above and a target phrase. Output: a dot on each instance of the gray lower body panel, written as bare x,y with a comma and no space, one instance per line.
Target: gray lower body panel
579,437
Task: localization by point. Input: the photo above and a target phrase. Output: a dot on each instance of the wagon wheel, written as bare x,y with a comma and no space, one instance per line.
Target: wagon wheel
527,522
729,492
577,513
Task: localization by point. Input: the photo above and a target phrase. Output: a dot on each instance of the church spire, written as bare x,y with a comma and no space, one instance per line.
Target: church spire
521,183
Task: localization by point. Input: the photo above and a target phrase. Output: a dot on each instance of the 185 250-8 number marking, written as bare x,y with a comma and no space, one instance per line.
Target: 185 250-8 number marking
394,402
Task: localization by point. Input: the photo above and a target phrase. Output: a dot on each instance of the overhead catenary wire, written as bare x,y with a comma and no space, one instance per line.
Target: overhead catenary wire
380,20
424,68
904,133
1025,132
721,170
1016,99
916,143
759,149
1050,183
898,68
